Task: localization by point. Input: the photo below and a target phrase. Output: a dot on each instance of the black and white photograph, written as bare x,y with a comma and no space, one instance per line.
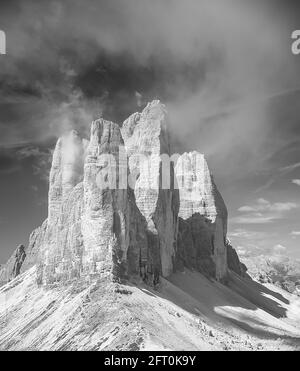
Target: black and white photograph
150,178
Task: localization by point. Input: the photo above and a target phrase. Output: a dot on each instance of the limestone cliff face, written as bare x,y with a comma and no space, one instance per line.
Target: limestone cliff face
94,227
202,218
233,260
107,205
117,208
23,258
36,240
66,172
146,138
13,267
59,256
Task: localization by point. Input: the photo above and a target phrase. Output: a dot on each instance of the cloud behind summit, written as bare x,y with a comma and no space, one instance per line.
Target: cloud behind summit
224,69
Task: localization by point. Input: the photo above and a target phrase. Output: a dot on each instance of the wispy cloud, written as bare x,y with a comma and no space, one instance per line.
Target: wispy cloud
240,233
262,212
40,160
264,205
245,234
280,173
290,167
295,233
242,251
249,249
279,249
296,181
253,219
233,68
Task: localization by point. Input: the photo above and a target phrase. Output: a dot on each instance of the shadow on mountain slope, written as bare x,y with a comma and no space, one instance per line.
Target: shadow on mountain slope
239,293
291,340
243,303
259,295
187,312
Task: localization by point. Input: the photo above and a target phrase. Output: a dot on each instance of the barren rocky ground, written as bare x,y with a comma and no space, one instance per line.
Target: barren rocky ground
186,312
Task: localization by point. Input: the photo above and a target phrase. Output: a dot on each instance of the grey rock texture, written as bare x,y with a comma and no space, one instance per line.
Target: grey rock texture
146,138
19,260
107,212
23,260
233,260
66,172
13,267
202,218
59,257
60,252
97,230
36,240
115,209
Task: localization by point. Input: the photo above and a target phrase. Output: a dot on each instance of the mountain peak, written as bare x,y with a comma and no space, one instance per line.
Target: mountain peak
142,228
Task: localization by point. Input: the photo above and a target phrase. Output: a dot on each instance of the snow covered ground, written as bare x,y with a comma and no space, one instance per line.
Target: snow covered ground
187,312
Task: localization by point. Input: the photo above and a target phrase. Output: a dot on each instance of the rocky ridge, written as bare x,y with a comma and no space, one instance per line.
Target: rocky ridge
135,225
13,267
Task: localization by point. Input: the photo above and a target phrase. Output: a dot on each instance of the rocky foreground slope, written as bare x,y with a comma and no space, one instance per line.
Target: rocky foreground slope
186,312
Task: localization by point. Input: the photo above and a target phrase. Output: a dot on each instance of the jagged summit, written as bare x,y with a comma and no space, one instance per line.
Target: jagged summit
139,223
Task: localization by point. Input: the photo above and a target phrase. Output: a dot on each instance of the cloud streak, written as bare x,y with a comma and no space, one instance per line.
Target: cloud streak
220,67
264,212
218,110
296,181
295,233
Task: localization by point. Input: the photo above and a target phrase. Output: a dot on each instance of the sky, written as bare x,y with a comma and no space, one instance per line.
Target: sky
225,71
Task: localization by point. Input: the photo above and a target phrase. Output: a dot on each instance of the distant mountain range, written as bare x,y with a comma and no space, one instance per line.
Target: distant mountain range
279,270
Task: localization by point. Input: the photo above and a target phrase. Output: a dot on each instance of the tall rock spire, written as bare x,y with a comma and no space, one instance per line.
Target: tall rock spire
105,220
202,218
118,208
146,138
95,228
66,171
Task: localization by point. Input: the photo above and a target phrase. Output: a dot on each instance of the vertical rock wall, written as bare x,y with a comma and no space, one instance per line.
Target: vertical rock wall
115,208
202,218
146,139
95,227
105,219
59,252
